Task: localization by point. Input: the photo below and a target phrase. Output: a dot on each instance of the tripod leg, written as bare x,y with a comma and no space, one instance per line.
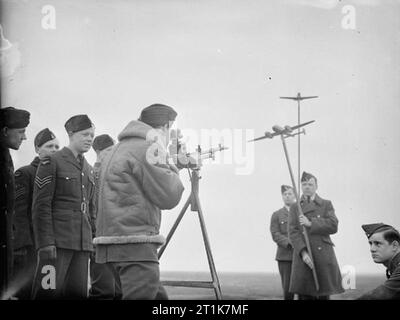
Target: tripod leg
214,274
172,231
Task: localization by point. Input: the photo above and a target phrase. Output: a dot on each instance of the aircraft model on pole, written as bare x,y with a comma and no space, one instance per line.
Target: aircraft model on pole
285,132
298,98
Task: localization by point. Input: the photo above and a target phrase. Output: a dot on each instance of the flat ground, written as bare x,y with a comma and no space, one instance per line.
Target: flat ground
253,286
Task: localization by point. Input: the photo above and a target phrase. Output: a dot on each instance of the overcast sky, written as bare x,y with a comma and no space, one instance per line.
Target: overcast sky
223,65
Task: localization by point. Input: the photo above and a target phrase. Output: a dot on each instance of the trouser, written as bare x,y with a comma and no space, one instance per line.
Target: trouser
139,280
66,277
285,269
306,297
103,284
24,272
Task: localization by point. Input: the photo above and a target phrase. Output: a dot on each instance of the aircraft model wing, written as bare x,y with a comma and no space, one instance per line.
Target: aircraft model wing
290,98
264,137
302,124
310,97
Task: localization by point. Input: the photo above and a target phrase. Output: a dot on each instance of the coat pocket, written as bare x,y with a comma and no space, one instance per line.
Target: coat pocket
68,184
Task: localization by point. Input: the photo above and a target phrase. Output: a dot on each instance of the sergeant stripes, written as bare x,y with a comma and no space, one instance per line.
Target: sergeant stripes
41,182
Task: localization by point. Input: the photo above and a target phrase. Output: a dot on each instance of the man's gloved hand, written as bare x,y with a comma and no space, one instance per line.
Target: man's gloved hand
48,253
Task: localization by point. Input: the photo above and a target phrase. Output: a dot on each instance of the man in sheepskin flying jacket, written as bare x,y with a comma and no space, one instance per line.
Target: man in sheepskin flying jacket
136,183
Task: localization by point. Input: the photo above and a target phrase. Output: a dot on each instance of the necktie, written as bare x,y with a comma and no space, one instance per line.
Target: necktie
308,199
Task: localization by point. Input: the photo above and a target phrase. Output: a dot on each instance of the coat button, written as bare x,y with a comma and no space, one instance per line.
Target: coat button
318,216
83,186
319,248
83,174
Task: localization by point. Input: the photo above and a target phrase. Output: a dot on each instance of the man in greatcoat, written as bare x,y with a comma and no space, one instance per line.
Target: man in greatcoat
319,219
12,125
45,144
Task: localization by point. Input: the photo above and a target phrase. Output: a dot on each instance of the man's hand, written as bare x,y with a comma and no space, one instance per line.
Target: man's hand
304,221
307,259
174,168
49,252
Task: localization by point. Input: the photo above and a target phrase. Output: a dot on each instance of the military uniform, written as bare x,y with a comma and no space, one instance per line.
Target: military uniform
24,245
7,195
390,290
324,223
62,207
10,118
284,252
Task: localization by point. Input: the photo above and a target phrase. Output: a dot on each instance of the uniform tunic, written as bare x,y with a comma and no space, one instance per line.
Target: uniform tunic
390,290
24,247
24,182
62,216
62,202
284,252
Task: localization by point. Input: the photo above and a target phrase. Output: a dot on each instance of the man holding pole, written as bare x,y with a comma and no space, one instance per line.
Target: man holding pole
319,219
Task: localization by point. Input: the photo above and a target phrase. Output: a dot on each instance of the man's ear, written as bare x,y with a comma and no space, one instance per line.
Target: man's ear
36,149
396,244
4,131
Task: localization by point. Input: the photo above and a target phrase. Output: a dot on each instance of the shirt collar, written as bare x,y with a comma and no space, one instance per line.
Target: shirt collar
314,198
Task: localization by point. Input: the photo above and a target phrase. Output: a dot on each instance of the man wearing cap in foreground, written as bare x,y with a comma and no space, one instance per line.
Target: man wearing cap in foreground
384,241
45,144
136,183
279,232
103,284
62,206
320,221
12,125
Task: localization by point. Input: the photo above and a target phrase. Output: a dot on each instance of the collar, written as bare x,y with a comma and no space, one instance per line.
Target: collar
70,157
35,162
315,198
286,207
394,263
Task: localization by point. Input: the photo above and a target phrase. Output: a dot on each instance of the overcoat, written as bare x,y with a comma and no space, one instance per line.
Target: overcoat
323,223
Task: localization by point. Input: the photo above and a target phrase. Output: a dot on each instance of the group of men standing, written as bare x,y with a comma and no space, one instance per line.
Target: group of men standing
63,206
317,218
60,217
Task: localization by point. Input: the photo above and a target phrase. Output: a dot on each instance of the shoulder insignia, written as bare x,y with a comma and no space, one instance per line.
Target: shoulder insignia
17,173
19,191
41,182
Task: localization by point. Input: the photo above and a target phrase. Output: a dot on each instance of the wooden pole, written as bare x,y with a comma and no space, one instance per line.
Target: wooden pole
300,211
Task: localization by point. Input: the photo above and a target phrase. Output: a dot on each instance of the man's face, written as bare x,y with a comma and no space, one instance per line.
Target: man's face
82,140
288,197
309,187
14,137
381,250
48,148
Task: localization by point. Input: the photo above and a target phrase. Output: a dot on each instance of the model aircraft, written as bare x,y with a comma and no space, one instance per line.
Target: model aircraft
286,131
299,97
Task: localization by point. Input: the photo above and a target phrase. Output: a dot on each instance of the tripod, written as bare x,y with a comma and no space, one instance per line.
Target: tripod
194,202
